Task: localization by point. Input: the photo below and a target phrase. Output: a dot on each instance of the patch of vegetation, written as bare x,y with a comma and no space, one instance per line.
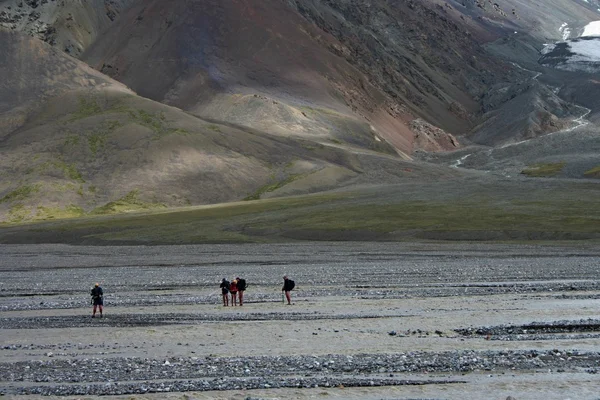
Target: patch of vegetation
48,213
18,213
21,193
593,173
430,216
98,137
272,187
179,131
312,146
156,122
70,170
544,170
72,140
112,125
92,189
290,164
96,141
319,110
68,187
152,121
88,107
129,202
336,141
547,214
213,127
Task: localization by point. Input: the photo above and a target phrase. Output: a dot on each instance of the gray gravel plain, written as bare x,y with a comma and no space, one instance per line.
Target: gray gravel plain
369,321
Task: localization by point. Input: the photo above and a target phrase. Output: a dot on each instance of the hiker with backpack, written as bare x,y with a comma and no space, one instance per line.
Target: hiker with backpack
97,299
225,291
288,286
241,286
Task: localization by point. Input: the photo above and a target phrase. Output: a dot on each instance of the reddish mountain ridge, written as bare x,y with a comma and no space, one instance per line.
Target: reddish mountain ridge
208,56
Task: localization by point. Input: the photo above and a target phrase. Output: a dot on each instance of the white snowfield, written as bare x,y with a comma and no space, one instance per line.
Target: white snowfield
585,55
585,50
591,29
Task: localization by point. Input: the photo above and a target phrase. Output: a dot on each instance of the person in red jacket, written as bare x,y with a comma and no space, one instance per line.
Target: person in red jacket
241,286
233,290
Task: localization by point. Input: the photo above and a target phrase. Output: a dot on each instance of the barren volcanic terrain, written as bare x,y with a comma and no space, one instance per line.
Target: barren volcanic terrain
126,105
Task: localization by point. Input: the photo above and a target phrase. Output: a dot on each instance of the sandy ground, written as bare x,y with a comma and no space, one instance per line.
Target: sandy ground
331,317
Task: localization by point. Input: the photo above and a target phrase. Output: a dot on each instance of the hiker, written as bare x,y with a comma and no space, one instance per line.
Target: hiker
241,286
225,291
288,286
233,290
97,299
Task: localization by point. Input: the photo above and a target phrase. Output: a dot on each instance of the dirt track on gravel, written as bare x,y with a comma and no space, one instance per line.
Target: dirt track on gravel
370,321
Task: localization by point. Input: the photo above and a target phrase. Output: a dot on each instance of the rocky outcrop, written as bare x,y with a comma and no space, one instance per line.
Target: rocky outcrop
70,25
431,138
519,111
403,47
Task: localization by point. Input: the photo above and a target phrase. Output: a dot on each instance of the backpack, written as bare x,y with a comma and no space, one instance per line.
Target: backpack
241,285
96,293
292,284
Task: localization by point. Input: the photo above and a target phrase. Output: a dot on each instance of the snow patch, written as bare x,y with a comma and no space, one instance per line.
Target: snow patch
582,54
547,48
585,50
565,31
591,29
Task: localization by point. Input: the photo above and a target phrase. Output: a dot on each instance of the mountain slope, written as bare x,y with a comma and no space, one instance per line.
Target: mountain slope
220,101
76,142
208,53
32,72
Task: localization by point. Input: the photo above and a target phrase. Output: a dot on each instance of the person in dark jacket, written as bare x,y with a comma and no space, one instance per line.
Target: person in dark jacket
225,291
288,286
97,299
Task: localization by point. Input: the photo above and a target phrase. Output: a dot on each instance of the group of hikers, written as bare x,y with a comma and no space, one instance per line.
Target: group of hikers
236,288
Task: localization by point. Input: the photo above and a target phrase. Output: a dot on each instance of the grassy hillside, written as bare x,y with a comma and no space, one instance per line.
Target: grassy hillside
108,152
467,210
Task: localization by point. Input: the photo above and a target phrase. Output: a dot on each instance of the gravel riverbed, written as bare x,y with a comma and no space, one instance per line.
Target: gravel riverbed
369,321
